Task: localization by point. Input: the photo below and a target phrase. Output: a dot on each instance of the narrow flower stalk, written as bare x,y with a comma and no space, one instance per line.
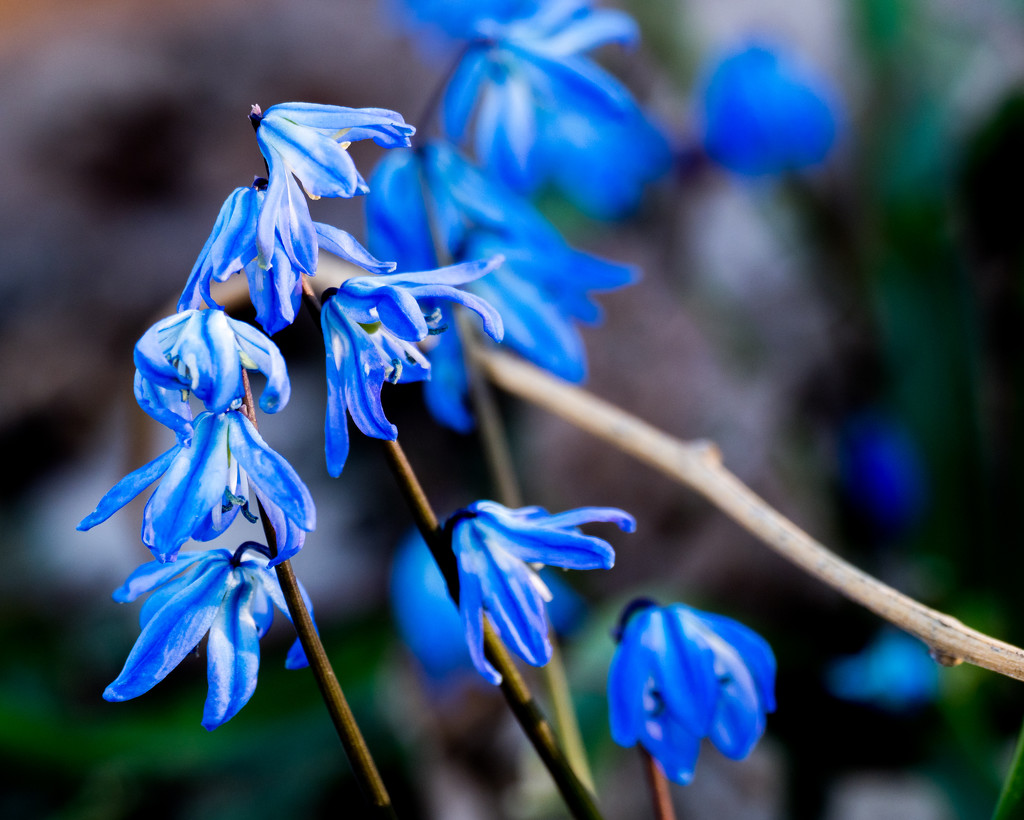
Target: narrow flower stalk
352,740
520,700
656,782
494,439
698,465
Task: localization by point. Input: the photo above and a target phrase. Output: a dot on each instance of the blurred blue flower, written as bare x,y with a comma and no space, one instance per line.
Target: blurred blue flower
764,113
894,672
204,487
204,352
275,288
460,18
881,473
532,87
541,289
231,597
495,547
370,326
428,620
679,675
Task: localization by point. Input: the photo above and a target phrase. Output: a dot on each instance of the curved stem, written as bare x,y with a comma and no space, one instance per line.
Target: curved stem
513,687
699,466
363,765
498,455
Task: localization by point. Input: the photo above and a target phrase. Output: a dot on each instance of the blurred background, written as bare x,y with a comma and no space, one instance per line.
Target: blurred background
851,334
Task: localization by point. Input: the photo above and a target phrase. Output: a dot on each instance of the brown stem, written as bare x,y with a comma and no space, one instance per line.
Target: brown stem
363,765
656,782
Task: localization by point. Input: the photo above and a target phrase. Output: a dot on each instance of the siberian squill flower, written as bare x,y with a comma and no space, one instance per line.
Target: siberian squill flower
371,325
680,675
495,547
541,290
232,597
895,672
523,74
309,143
765,113
205,352
428,620
204,487
276,287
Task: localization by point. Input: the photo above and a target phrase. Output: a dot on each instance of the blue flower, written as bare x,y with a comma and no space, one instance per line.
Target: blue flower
204,487
495,547
428,621
522,72
309,143
204,352
276,287
680,675
370,326
231,597
460,18
765,114
541,290
894,672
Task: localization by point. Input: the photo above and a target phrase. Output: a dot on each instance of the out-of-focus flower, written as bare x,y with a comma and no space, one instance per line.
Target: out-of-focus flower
680,675
204,487
881,473
370,327
495,547
532,87
765,113
276,288
460,18
205,352
231,597
428,620
894,672
541,290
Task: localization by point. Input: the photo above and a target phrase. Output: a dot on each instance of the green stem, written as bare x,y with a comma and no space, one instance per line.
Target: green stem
520,700
1010,803
344,721
499,460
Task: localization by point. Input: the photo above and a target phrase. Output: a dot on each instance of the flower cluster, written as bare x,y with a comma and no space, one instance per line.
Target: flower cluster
370,325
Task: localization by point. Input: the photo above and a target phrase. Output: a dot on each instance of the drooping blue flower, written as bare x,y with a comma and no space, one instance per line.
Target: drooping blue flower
309,143
205,486
231,597
520,74
765,114
205,352
894,672
495,547
276,288
371,325
428,620
680,675
542,289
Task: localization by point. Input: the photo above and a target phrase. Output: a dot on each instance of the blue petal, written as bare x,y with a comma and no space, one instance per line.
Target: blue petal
628,678
396,215
754,650
387,128
686,668
447,392
268,360
462,91
323,165
471,610
674,747
341,244
290,537
172,633
128,487
284,219
154,573
192,487
233,657
269,473
169,407
599,27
